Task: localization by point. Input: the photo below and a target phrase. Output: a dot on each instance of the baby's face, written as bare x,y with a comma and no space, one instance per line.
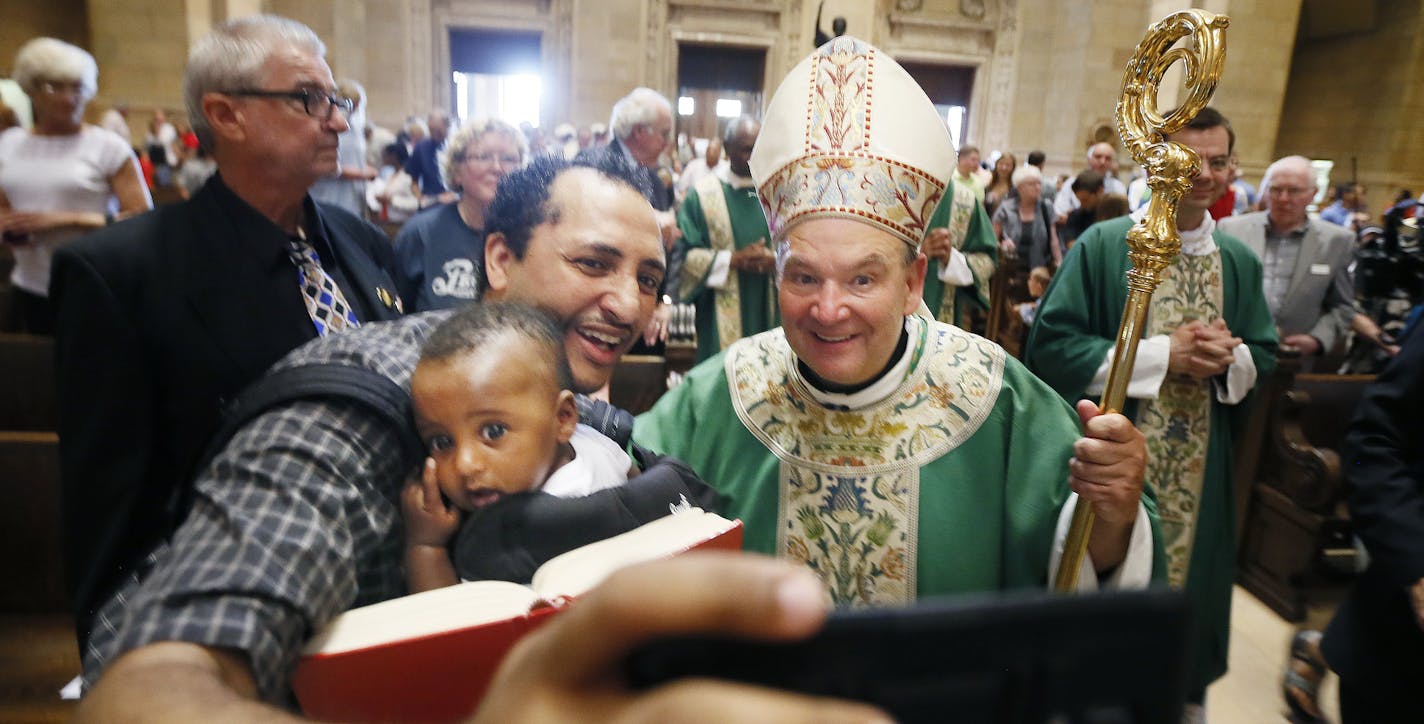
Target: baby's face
493,419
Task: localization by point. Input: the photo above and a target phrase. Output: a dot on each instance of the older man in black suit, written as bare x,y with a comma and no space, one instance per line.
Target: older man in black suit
162,318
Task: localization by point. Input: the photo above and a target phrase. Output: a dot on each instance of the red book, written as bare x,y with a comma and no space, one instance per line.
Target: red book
430,656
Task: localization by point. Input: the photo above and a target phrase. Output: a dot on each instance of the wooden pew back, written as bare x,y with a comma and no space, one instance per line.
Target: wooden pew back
31,540
27,384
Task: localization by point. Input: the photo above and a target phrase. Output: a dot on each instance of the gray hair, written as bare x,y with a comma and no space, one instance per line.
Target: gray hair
636,109
1089,153
1301,162
231,58
1025,173
459,143
49,59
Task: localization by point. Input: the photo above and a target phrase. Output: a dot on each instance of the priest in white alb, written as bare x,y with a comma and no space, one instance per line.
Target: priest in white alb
894,455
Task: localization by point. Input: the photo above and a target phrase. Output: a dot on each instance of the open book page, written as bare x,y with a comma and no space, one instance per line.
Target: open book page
421,614
574,573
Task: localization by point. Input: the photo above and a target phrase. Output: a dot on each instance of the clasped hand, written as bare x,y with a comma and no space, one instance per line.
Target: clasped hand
754,257
937,244
1202,350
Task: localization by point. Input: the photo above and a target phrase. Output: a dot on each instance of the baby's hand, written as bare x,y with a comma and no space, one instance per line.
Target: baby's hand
429,520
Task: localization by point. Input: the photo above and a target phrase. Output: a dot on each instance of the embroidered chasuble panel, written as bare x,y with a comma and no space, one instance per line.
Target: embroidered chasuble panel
727,300
1177,425
961,211
849,480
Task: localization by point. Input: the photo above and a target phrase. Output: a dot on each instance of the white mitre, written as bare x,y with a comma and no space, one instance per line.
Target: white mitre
850,134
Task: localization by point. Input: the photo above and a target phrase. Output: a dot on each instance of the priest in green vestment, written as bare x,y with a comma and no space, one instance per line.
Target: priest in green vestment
963,255
729,264
893,455
1208,340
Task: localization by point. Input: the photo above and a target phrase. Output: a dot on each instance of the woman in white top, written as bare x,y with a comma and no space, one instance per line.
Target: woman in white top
62,178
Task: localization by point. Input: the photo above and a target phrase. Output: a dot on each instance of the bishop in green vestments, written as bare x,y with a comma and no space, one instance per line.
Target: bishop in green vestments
729,264
1209,339
893,455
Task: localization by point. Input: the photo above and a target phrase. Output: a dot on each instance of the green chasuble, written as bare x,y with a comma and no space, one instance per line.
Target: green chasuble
971,233
1077,325
952,482
746,303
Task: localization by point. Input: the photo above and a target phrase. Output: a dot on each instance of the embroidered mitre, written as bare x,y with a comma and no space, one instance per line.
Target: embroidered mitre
850,134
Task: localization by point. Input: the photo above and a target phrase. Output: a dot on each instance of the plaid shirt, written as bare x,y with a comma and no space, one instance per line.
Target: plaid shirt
295,522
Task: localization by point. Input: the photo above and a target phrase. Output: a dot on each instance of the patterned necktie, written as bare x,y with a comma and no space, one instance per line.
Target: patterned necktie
328,309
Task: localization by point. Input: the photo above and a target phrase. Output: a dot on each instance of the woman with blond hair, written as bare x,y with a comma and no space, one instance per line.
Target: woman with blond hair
440,253
63,177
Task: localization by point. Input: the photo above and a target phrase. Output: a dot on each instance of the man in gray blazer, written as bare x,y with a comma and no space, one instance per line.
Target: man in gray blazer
1306,261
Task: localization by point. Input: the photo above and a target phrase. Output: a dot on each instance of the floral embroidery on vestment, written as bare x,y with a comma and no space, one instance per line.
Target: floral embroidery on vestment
849,479
1177,425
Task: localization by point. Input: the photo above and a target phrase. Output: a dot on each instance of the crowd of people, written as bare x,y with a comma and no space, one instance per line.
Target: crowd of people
843,408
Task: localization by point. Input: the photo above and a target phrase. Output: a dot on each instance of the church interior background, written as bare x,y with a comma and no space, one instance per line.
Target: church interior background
1334,81
1329,80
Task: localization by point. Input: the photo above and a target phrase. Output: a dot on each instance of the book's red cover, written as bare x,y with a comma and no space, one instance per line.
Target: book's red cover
434,678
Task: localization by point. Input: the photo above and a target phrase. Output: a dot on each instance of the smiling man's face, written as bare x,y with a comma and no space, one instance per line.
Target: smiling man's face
595,263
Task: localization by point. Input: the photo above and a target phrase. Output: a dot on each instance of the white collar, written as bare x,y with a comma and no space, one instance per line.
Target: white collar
1195,242
724,172
877,390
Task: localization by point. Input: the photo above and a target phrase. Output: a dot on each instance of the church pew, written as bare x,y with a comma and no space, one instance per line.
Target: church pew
38,656
31,545
638,381
1295,532
27,386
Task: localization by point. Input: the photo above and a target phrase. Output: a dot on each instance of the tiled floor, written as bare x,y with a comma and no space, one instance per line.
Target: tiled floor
1251,690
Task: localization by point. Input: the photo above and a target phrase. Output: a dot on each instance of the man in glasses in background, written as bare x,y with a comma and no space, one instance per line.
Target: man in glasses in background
163,318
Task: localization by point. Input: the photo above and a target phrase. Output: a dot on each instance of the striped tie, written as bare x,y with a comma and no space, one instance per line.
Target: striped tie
328,309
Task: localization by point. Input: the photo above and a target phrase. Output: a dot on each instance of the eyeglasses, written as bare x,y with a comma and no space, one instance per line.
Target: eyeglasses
317,103
1288,191
488,159
55,87
1220,163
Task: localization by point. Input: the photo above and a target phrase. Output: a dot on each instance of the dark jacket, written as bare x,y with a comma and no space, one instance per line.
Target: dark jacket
159,320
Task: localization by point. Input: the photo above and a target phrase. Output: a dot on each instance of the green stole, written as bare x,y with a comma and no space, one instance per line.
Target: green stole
1177,424
849,480
728,300
961,211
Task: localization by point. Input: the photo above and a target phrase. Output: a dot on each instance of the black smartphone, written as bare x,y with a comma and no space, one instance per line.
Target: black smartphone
1110,657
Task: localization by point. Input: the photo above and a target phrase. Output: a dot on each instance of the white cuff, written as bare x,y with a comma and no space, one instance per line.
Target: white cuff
956,270
1240,377
721,268
1148,371
1135,571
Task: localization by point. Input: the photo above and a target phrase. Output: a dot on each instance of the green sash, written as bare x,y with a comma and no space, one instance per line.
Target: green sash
1177,424
961,211
728,300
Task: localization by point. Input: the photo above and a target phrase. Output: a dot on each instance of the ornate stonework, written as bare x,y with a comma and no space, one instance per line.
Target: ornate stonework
982,34
771,24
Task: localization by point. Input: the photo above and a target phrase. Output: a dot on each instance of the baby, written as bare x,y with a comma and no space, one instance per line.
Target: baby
493,404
